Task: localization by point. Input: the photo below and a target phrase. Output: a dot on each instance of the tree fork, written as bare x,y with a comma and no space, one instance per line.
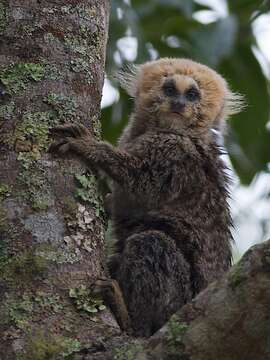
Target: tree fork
51,217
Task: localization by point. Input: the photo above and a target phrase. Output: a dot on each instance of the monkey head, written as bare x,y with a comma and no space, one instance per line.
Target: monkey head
180,94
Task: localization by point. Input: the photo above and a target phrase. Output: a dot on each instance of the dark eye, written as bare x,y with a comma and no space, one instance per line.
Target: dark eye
192,94
169,89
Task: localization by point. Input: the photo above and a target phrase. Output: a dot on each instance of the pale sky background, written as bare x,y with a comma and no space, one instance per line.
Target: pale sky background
250,206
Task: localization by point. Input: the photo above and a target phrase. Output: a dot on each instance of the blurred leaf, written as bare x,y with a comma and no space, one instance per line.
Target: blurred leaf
246,8
249,144
145,7
187,6
215,41
114,118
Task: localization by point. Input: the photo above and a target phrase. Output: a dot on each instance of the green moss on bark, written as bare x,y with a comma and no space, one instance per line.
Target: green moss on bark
3,247
4,190
42,345
64,254
19,311
87,192
3,17
32,133
65,107
35,189
7,111
20,270
3,218
16,77
128,352
176,332
236,276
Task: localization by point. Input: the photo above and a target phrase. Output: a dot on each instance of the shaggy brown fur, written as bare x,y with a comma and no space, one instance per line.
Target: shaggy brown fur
169,204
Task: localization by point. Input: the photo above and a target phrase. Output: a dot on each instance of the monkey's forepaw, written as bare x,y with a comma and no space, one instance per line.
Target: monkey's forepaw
71,138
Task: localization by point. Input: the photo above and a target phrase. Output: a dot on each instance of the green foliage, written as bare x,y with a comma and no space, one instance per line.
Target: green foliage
225,44
85,300
248,130
16,77
245,9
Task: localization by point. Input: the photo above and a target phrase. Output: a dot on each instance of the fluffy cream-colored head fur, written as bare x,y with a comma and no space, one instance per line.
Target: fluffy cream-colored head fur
207,99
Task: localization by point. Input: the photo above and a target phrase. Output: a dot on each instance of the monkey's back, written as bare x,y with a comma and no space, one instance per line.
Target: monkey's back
172,225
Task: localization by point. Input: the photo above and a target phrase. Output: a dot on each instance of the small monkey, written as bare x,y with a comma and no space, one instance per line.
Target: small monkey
169,204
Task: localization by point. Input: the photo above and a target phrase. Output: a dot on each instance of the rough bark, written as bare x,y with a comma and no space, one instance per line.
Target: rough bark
227,321
51,216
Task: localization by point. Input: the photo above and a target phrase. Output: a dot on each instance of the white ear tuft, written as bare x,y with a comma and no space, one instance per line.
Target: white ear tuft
234,104
128,78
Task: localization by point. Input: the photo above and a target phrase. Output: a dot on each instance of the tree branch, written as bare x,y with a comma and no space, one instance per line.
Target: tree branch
227,321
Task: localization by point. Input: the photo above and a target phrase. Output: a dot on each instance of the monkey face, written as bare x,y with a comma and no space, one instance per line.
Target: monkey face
179,99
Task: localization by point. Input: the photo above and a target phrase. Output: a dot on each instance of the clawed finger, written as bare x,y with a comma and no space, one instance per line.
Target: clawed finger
54,147
64,148
83,131
63,130
72,130
61,146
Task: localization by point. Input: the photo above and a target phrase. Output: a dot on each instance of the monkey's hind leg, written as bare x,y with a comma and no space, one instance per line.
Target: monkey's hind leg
154,278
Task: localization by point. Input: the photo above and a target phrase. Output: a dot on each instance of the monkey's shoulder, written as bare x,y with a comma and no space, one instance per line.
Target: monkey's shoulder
166,145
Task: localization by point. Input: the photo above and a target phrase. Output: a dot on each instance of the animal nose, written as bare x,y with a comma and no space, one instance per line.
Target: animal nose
178,105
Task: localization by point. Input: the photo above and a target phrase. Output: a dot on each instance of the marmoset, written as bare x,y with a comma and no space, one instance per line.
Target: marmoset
169,208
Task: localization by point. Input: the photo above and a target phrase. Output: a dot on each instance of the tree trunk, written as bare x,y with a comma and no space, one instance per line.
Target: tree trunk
51,216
